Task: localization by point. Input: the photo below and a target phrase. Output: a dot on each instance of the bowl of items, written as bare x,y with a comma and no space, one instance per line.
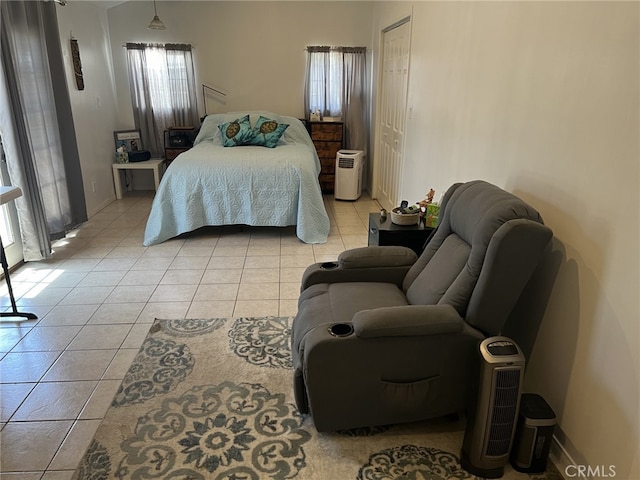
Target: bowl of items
406,214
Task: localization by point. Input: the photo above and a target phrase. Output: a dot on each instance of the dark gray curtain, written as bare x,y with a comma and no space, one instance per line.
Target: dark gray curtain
354,95
141,99
36,125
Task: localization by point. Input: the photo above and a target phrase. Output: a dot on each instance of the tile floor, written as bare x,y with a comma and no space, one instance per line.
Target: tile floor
95,301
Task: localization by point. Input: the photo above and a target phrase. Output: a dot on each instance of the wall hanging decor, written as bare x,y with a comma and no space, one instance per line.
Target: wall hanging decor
77,64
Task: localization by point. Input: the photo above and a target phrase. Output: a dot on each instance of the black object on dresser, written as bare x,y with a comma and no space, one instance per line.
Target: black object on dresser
385,232
178,140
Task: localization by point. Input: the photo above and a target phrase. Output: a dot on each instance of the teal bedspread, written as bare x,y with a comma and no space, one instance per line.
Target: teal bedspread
245,185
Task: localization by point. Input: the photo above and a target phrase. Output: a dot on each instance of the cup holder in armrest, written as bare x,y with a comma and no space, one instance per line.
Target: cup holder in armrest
329,265
341,329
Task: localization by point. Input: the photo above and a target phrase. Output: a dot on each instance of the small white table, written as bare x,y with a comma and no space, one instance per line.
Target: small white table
152,164
6,195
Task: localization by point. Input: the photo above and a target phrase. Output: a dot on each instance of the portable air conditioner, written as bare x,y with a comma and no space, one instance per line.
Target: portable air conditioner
348,176
492,422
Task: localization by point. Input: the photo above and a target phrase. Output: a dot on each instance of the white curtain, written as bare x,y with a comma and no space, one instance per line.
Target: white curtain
336,85
163,90
36,126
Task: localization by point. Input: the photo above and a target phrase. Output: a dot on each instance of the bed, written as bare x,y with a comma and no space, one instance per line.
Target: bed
212,184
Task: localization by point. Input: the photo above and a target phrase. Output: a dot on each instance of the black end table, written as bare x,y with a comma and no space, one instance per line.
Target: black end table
385,232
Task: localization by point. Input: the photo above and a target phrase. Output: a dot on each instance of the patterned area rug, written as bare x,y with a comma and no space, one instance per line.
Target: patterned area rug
213,399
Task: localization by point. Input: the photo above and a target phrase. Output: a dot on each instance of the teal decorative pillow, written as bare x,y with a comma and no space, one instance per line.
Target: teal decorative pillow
267,132
236,132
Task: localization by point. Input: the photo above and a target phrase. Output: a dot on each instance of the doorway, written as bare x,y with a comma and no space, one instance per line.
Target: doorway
396,49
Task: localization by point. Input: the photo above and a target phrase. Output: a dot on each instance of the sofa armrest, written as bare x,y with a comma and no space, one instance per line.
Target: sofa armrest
388,264
376,256
407,320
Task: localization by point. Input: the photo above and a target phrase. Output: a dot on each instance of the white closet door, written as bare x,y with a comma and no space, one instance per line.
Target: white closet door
392,113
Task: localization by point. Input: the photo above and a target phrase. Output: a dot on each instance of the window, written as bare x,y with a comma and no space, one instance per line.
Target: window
328,85
163,91
336,84
325,79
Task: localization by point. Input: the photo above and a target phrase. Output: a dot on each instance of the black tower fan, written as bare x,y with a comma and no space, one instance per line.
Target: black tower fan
492,422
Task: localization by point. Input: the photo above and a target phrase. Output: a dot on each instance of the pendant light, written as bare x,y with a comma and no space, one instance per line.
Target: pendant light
156,23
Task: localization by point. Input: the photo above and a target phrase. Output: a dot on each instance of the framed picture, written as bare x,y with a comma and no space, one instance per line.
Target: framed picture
129,138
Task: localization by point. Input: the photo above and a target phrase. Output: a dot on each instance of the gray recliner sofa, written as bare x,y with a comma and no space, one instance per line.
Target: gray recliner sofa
383,336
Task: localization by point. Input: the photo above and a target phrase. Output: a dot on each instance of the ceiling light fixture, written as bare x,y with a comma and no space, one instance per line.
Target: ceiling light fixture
156,23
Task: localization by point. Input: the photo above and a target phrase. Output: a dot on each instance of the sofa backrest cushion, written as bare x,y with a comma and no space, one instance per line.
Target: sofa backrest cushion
448,270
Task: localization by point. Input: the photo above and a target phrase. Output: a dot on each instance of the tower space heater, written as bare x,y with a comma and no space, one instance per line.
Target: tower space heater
491,424
348,179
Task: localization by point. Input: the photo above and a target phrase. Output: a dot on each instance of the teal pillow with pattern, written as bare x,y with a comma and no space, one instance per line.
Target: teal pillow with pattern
236,132
267,132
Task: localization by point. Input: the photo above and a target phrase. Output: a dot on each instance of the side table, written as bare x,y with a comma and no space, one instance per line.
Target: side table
388,233
152,164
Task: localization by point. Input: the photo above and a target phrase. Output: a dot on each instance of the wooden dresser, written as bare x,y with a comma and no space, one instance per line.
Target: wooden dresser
328,139
178,140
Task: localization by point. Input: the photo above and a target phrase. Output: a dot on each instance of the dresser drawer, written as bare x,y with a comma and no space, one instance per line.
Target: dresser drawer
327,182
327,138
328,165
327,149
326,131
171,153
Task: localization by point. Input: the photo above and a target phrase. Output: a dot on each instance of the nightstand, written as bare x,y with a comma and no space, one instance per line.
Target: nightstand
388,233
157,165
327,137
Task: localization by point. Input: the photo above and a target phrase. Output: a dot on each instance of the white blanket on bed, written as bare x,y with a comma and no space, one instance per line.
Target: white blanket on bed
215,185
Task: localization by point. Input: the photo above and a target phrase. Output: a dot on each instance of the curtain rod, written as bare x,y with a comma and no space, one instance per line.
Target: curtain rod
324,48
140,45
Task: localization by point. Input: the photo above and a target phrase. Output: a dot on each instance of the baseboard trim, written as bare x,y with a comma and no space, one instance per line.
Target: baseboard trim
560,457
101,206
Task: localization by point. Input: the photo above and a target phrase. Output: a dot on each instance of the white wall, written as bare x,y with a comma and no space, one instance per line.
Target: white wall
253,51
94,108
541,98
